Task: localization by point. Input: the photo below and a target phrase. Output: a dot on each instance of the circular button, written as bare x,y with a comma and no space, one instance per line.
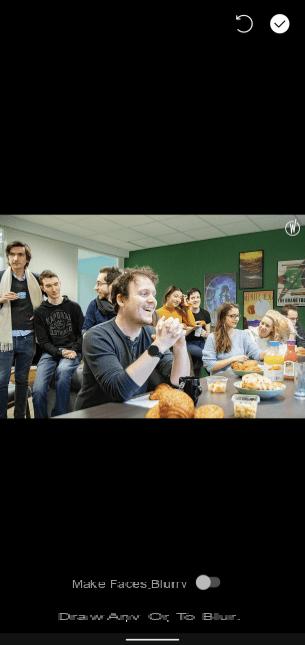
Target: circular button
203,582
279,23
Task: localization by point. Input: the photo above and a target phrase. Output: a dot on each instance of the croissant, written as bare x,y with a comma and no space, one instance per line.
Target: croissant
245,366
209,412
159,390
176,405
153,413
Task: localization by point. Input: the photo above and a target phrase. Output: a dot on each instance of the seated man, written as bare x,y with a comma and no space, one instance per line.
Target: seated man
196,339
291,312
101,308
58,323
121,359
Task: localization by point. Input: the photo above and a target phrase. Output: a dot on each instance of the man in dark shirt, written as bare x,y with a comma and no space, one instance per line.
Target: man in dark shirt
196,339
20,293
58,324
121,359
101,308
291,312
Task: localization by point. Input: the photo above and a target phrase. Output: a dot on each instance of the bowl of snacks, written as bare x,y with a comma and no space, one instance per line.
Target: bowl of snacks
246,367
261,386
217,384
245,406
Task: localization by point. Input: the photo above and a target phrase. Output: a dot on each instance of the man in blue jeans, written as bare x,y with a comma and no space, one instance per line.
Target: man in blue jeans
58,325
20,293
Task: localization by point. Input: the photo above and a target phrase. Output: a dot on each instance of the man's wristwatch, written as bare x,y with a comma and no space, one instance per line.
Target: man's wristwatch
153,350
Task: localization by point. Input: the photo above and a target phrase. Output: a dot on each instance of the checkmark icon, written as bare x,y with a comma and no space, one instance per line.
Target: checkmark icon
279,23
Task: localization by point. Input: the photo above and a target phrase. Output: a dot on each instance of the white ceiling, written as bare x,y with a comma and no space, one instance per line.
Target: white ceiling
133,232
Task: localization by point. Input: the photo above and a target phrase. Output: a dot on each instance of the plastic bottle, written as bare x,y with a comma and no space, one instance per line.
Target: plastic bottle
274,361
290,360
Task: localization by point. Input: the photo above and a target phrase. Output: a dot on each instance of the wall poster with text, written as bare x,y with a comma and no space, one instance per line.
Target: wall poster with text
256,303
291,283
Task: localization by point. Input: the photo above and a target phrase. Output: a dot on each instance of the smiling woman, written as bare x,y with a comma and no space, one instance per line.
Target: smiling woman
175,305
228,344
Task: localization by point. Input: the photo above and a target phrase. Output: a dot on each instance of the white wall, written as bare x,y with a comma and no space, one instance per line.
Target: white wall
58,256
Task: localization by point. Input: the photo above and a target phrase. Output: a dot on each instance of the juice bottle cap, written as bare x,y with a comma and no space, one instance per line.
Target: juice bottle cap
290,342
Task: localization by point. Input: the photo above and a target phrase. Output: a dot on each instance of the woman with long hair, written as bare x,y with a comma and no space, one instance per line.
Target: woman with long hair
175,305
273,326
228,344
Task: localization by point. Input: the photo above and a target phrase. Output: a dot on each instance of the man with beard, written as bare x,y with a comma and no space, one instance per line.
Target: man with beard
101,308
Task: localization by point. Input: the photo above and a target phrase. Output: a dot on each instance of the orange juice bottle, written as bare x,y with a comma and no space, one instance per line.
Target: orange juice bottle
290,360
274,361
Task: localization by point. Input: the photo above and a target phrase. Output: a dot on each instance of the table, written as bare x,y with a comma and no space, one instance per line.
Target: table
285,406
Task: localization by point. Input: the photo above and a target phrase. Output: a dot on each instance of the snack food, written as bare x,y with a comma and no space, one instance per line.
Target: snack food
217,384
153,413
176,405
245,407
209,412
246,366
162,388
258,382
300,350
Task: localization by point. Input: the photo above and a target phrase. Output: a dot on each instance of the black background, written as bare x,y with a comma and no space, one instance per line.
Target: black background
152,111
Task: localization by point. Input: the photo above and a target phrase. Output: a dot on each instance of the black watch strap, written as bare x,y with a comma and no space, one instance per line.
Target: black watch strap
153,350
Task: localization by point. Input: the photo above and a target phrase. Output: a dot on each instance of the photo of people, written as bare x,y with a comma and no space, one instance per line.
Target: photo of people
149,329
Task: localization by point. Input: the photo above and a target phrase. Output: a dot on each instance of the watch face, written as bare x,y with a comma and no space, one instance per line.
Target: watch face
154,351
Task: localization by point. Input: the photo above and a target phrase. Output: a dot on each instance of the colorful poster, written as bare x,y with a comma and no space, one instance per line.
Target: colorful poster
218,289
291,283
256,303
251,269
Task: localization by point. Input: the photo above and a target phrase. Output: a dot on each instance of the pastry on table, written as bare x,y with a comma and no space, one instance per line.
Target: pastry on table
246,366
176,405
209,412
153,413
258,382
161,388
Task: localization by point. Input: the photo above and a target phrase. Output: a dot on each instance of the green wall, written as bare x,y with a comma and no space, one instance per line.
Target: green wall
185,264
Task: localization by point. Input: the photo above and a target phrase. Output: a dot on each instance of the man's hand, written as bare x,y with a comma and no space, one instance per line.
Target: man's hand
68,353
10,295
168,332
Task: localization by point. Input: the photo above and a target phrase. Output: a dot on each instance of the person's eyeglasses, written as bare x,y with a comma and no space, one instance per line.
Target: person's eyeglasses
233,315
99,284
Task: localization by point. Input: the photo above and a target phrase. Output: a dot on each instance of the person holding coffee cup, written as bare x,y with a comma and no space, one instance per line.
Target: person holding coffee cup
20,294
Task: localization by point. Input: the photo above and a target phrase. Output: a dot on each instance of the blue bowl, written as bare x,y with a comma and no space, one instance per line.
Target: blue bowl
263,394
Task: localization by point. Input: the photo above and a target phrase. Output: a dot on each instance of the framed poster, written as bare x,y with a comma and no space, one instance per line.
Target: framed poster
256,303
251,269
291,283
218,289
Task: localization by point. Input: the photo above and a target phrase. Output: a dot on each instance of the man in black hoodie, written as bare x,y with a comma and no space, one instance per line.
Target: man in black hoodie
58,324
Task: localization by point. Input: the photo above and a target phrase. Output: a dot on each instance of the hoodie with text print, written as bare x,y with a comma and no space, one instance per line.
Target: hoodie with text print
59,327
